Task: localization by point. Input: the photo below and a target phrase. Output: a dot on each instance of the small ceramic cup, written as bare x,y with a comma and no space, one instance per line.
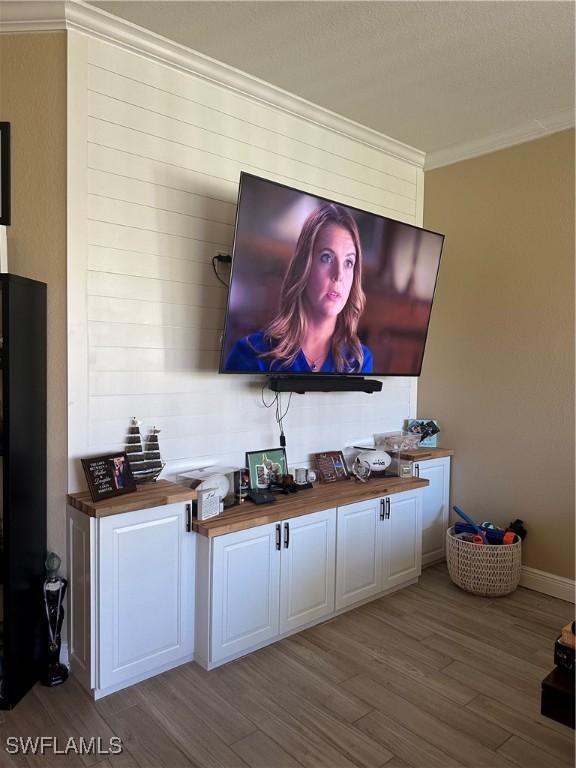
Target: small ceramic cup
300,476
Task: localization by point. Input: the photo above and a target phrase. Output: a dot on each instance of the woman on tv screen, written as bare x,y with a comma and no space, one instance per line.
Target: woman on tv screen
321,301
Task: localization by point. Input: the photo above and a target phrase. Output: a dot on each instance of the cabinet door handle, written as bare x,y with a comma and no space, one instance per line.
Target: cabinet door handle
278,534
417,470
387,508
381,509
286,535
188,518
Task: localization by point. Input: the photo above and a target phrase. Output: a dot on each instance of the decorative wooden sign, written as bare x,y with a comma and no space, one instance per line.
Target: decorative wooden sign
108,475
331,466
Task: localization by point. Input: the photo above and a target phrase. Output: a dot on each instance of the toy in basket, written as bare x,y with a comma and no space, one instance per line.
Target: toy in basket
483,559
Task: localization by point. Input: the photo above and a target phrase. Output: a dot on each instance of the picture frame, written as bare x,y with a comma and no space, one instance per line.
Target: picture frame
266,467
108,475
5,196
331,466
427,428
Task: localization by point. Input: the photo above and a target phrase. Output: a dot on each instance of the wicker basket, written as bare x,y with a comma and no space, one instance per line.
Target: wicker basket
484,569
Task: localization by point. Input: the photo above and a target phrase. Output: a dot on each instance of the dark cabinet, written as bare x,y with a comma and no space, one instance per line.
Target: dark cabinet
23,473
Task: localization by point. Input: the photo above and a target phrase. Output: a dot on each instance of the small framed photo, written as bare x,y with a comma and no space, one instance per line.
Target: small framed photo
108,475
4,173
428,430
266,467
331,466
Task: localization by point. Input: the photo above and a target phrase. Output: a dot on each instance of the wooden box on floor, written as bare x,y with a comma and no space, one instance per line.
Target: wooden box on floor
557,700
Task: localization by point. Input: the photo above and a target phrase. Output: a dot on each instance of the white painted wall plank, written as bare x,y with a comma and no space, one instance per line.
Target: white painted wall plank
121,262
110,91
163,152
112,335
153,219
220,193
160,139
158,196
143,360
141,312
147,241
252,111
159,290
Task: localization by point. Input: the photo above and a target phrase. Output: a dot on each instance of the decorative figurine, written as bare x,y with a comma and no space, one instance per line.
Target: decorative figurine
361,469
55,586
145,462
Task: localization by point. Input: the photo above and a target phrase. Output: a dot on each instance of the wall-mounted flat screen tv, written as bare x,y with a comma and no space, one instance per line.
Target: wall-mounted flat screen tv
321,287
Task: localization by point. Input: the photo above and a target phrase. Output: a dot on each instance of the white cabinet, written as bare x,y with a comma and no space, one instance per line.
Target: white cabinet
402,539
146,594
435,507
266,581
307,569
245,589
379,546
131,595
359,552
146,582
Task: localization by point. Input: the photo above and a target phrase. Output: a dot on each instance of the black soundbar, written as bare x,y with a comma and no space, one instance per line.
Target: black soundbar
318,383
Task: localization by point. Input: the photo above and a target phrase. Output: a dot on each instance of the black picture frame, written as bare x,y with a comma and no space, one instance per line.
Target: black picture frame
256,459
5,197
103,478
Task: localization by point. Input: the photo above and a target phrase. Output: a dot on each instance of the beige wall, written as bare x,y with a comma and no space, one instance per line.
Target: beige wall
499,367
33,100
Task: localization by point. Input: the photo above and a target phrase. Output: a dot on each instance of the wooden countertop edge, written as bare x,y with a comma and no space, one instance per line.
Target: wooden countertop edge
145,497
249,515
422,454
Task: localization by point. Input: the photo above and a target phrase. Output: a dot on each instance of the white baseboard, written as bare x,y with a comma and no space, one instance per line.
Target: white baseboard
64,655
548,583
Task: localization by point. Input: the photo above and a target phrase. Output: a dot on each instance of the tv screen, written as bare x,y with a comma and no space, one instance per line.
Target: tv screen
321,287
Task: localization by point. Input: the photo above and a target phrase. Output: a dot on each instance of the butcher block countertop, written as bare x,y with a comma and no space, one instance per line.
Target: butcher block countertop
249,515
422,454
147,496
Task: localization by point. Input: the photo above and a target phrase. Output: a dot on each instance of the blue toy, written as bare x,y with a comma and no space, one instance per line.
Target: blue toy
471,522
486,533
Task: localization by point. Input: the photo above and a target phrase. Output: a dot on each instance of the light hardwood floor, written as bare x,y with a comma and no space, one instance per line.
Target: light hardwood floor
428,677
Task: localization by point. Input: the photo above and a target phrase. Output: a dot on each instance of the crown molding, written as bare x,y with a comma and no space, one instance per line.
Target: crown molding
25,16
75,15
534,129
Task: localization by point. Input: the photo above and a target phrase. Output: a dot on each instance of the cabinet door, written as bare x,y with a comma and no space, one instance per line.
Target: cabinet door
402,535
358,553
435,508
245,590
307,569
146,592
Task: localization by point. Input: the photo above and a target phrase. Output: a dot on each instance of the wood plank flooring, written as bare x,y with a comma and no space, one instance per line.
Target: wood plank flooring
429,677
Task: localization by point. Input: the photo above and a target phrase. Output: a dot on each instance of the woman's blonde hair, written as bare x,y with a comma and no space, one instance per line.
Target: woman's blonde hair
286,331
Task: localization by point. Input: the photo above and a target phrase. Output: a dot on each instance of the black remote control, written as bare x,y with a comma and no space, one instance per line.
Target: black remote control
260,497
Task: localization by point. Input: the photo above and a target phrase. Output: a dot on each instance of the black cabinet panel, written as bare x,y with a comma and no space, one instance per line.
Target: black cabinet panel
23,461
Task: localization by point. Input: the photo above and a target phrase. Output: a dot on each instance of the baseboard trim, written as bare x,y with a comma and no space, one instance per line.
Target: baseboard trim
64,655
547,583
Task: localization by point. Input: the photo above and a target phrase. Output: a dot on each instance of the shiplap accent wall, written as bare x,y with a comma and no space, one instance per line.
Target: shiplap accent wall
154,163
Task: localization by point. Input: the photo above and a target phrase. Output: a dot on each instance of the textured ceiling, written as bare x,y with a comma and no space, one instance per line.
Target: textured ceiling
434,75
